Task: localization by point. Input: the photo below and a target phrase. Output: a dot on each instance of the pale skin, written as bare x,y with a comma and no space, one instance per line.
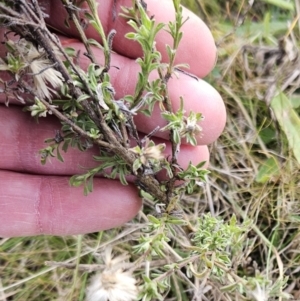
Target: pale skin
36,199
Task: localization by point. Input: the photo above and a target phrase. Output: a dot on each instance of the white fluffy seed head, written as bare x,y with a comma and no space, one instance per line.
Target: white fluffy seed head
113,283
42,74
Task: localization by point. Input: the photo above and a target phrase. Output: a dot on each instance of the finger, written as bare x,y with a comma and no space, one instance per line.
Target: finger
21,138
33,205
197,47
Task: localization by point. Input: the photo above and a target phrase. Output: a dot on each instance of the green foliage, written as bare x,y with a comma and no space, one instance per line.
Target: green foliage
193,176
180,251
50,151
13,62
145,31
182,126
281,4
152,290
289,122
38,109
219,240
268,171
110,167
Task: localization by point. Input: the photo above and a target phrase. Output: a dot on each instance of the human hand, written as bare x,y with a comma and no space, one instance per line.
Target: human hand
37,199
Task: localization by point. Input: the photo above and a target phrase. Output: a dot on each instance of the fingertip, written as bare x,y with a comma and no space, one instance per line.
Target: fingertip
198,96
197,47
193,154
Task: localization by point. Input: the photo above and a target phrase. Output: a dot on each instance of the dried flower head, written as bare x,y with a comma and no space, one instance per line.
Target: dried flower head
24,58
259,293
113,283
150,152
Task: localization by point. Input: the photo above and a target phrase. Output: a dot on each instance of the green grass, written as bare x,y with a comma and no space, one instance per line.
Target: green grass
254,175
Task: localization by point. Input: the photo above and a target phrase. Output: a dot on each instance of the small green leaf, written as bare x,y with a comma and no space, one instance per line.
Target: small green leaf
70,51
82,97
154,220
136,165
66,144
267,135
123,178
58,155
229,288
76,180
94,43
88,187
268,170
131,36
289,122
283,4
